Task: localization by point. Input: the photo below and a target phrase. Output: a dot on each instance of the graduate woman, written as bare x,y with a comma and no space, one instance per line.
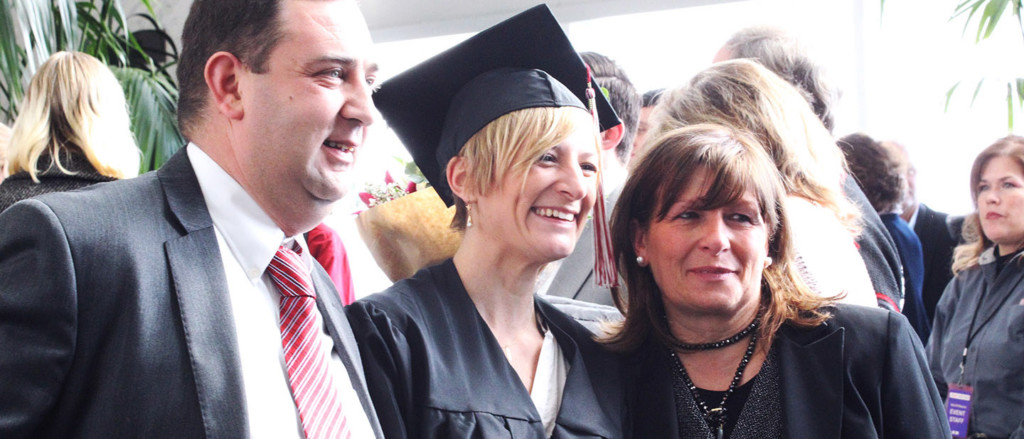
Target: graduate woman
500,126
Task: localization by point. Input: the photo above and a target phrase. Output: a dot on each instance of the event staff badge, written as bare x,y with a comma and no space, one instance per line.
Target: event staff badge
958,409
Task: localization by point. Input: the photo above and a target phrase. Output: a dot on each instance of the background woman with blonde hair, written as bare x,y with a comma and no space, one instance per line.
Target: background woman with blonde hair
744,95
73,130
977,340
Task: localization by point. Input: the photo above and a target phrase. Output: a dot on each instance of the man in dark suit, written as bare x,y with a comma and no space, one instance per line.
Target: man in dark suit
574,278
145,308
937,244
931,227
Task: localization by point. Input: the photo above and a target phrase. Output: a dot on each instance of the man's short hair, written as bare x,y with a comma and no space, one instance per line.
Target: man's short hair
781,53
621,94
651,97
248,29
877,171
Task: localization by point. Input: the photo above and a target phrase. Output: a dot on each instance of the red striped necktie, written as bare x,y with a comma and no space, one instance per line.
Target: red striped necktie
313,386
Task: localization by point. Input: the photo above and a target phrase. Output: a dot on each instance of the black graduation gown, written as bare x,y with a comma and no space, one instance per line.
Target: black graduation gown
435,370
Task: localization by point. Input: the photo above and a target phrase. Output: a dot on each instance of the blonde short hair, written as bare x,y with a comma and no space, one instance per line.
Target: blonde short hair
746,96
510,144
74,104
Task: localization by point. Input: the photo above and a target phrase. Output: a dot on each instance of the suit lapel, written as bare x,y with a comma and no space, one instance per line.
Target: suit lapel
923,228
578,268
344,341
204,305
811,370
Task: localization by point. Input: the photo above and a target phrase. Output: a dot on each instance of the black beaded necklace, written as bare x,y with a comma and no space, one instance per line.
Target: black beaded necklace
720,343
715,417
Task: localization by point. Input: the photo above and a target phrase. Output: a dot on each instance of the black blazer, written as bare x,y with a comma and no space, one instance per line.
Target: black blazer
862,374
937,244
115,319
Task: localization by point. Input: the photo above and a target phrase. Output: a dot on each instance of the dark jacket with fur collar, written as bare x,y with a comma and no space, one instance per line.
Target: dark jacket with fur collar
20,186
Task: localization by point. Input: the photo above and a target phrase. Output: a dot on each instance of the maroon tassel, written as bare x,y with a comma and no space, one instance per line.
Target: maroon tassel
604,257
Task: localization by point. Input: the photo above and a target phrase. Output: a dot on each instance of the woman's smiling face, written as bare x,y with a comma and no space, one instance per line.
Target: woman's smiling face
707,261
540,218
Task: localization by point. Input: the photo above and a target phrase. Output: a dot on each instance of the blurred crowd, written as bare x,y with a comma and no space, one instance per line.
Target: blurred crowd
584,259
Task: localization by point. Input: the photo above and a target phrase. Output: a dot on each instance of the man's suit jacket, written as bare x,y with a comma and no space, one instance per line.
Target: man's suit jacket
862,374
575,276
937,244
115,318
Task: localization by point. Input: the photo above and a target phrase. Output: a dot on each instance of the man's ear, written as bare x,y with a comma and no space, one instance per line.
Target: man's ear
222,75
611,137
458,179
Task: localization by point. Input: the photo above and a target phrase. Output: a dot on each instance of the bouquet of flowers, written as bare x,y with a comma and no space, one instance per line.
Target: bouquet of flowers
406,226
376,195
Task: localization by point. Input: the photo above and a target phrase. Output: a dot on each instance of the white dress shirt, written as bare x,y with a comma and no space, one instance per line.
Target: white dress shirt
913,218
248,240
549,382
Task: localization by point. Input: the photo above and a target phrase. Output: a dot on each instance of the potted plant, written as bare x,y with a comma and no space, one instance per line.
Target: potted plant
31,30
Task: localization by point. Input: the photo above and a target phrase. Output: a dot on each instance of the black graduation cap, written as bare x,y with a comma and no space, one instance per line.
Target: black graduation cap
523,62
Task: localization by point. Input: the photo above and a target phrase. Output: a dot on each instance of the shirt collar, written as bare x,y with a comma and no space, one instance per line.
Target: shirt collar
987,256
251,236
913,218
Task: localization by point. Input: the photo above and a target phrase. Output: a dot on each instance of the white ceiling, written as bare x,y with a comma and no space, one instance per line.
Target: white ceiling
394,20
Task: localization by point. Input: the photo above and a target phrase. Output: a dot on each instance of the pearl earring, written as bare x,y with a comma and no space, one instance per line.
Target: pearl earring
641,261
469,216
768,262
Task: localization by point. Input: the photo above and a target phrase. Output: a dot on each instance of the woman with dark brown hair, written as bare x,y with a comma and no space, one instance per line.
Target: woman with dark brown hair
977,343
743,95
726,339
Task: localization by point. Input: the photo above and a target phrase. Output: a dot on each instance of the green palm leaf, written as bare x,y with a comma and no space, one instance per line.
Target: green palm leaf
988,14
67,23
31,30
11,65
37,27
153,106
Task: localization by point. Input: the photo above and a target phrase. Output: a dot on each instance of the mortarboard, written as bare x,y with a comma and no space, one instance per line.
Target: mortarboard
523,62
